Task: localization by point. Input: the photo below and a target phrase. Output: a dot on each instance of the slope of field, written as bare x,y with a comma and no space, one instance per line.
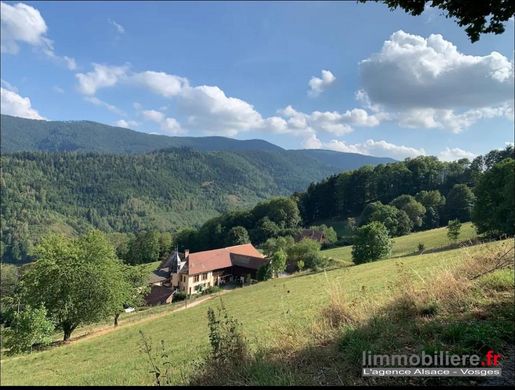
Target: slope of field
433,240
264,309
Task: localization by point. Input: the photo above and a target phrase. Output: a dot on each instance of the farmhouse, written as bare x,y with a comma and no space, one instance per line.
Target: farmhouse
194,272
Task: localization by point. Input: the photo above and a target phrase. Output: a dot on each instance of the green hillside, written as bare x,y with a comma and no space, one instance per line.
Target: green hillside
28,135
268,311
408,245
166,190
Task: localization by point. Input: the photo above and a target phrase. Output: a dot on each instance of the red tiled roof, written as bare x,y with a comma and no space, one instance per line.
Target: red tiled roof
221,258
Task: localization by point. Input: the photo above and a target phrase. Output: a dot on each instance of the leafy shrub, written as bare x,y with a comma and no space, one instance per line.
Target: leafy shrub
265,272
227,342
308,251
371,242
453,230
29,327
211,290
179,296
160,364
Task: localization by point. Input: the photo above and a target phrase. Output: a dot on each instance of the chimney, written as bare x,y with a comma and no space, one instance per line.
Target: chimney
186,253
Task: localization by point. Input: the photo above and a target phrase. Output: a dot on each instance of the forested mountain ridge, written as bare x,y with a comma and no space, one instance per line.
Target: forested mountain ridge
69,176
29,135
164,190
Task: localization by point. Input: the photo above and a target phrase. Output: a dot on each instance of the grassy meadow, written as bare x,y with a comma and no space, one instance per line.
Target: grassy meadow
434,239
265,311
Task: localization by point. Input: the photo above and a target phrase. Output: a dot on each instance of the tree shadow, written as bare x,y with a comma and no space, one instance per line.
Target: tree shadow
399,328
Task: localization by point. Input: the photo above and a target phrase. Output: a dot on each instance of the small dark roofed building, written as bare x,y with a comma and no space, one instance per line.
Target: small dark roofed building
312,234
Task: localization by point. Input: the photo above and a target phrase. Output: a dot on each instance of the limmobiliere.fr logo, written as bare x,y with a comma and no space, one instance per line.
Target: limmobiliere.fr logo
439,363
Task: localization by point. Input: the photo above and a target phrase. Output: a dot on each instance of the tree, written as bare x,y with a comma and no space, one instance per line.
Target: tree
308,251
76,280
494,210
165,244
278,262
434,202
28,327
431,219
9,292
328,231
478,17
284,212
265,229
396,221
129,289
237,235
264,272
411,207
8,279
273,245
144,248
371,242
460,202
453,229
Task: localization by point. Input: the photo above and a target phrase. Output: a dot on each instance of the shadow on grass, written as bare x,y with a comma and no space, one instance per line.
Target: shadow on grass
399,328
458,245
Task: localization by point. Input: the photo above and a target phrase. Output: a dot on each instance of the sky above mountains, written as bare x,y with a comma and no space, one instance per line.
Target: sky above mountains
333,75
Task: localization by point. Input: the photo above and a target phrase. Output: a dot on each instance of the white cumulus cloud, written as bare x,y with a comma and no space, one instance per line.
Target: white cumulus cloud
370,147
319,84
167,125
21,23
453,154
16,105
98,102
427,82
102,76
126,124
117,26
161,83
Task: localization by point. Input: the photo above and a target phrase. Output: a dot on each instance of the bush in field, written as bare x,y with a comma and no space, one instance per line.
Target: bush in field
159,362
308,251
278,262
264,272
209,290
273,245
29,327
227,342
371,242
179,296
453,230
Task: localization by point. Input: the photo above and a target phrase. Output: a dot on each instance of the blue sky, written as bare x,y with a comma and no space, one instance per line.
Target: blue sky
333,75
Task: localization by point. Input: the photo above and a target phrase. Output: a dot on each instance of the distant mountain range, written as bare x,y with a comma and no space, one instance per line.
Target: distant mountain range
28,135
70,176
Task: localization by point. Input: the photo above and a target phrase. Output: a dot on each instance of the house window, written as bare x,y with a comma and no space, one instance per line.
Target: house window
197,278
204,276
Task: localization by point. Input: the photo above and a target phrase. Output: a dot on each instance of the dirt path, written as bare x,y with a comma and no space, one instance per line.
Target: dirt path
109,328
